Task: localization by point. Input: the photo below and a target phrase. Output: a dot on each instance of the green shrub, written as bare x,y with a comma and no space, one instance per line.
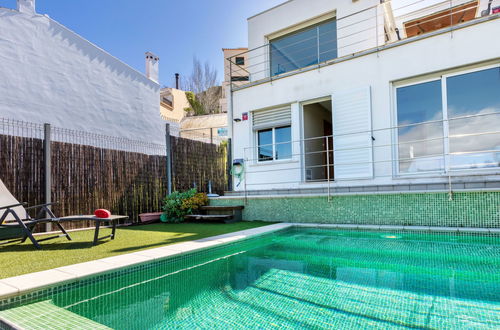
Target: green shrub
179,204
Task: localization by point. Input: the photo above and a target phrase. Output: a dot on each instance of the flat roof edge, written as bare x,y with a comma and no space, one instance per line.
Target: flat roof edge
267,10
131,69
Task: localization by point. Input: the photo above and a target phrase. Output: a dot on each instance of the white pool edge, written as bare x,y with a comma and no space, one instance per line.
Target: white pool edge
22,284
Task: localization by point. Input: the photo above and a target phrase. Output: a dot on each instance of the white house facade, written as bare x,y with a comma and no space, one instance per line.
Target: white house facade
356,94
50,74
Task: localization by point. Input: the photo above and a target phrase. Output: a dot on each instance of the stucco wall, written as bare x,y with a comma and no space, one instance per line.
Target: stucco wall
50,74
449,52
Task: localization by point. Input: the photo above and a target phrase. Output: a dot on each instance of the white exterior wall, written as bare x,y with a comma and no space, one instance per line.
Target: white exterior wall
49,74
448,51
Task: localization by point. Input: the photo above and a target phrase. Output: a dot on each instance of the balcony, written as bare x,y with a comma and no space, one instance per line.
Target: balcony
373,29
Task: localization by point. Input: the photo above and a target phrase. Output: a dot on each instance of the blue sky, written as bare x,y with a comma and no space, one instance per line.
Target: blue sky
174,30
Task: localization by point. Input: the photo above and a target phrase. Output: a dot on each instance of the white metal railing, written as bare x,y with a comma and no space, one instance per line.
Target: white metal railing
320,154
372,28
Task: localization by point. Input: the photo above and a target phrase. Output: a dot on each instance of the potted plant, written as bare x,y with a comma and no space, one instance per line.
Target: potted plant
179,204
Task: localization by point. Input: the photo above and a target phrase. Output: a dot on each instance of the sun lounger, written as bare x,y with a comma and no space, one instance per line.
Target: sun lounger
17,225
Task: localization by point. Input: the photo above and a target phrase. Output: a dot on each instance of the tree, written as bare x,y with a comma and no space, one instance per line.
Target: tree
196,108
203,84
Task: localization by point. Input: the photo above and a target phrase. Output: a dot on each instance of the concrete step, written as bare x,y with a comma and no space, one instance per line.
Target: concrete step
46,315
222,208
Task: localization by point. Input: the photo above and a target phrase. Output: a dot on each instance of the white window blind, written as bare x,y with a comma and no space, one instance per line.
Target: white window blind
352,134
271,118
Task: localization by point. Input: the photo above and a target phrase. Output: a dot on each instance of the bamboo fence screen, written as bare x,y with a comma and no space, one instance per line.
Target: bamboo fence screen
127,177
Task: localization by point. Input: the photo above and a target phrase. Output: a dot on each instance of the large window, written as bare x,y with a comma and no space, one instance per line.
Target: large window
274,143
450,123
310,46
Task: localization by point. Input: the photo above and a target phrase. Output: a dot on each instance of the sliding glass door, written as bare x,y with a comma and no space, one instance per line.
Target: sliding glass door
450,123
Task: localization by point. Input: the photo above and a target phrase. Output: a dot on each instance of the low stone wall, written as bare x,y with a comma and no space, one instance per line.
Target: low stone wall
466,209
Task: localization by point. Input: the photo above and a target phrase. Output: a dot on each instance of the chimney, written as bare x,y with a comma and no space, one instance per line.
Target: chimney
176,81
26,6
152,67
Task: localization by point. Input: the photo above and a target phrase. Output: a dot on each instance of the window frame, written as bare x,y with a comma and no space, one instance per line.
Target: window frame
273,135
446,130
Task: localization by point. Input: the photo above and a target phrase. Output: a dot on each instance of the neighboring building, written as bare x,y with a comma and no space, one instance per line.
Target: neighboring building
208,128
234,73
173,104
364,96
52,75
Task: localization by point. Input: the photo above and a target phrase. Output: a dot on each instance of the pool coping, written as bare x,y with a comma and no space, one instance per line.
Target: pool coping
26,283
22,284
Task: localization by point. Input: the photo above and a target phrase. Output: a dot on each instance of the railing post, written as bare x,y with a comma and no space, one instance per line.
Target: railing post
229,165
328,166
168,157
211,136
47,170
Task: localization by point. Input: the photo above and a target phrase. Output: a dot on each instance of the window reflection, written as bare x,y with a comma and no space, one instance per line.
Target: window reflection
283,144
307,47
474,142
265,141
473,130
420,139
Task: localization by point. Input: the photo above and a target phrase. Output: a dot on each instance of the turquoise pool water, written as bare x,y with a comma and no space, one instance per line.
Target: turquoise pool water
294,279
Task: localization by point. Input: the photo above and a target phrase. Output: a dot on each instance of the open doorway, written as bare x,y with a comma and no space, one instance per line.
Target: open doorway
318,141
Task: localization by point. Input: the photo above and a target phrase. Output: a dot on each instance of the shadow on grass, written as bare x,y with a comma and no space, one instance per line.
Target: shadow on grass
147,246
176,227
128,239
68,245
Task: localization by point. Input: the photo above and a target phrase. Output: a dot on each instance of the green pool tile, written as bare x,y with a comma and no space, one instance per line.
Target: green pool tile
46,315
466,209
296,278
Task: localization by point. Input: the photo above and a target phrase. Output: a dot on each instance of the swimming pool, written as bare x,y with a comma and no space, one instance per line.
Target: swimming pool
294,278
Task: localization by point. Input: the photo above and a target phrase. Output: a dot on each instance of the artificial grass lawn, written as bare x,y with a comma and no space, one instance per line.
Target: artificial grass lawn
18,259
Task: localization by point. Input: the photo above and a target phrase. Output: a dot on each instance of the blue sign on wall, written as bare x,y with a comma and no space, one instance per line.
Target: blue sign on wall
222,131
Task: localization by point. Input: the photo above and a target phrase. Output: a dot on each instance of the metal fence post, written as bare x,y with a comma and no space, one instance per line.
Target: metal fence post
47,168
229,165
168,158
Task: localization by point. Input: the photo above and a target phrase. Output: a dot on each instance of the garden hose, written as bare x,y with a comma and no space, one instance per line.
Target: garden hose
238,174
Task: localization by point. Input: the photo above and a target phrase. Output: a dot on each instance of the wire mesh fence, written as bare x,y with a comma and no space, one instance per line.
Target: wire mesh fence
90,171
21,159
215,135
